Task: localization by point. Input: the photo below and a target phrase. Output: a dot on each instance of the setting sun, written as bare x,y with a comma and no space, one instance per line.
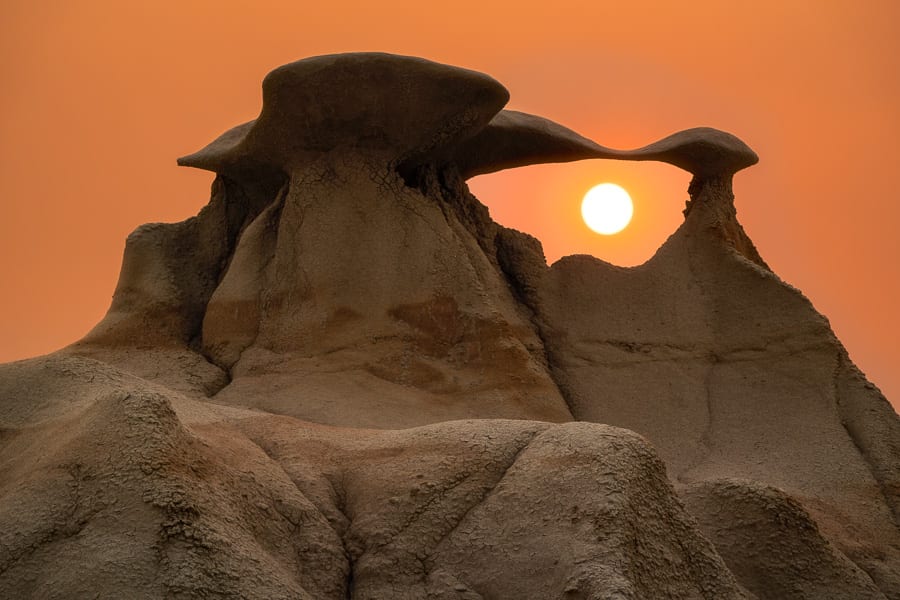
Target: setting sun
607,208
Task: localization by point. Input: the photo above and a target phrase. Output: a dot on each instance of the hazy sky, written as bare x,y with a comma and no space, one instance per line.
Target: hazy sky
100,97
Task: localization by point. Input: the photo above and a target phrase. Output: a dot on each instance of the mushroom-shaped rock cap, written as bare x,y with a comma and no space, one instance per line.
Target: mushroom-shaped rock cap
703,151
514,139
398,107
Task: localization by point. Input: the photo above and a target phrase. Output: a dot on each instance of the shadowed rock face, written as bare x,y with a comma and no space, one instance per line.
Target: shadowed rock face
342,379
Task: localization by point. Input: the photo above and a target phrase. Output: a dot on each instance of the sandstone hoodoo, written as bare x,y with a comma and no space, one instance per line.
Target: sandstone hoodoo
342,379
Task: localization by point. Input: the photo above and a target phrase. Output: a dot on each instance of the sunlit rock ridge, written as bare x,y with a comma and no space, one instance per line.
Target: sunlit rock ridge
342,379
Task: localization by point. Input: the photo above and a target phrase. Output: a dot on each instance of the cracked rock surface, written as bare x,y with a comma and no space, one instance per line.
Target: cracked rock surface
342,379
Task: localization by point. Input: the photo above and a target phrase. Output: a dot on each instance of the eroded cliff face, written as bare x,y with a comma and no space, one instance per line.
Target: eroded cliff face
729,372
373,301
343,379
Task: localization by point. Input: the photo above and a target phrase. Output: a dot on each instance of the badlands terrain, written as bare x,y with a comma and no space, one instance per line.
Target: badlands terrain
342,379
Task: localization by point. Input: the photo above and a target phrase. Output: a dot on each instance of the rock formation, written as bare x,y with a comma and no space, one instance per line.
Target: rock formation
342,379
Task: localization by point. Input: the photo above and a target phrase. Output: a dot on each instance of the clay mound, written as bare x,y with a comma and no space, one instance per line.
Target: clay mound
114,495
771,543
146,493
279,401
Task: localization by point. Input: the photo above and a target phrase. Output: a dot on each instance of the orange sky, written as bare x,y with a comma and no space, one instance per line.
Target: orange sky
98,100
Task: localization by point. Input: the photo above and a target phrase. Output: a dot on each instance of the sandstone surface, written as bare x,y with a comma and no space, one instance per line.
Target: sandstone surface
342,379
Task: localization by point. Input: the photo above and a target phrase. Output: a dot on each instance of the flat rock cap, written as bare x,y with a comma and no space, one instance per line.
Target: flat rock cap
410,111
399,106
515,139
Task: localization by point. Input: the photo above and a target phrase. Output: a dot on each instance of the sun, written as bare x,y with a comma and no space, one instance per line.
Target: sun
607,208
